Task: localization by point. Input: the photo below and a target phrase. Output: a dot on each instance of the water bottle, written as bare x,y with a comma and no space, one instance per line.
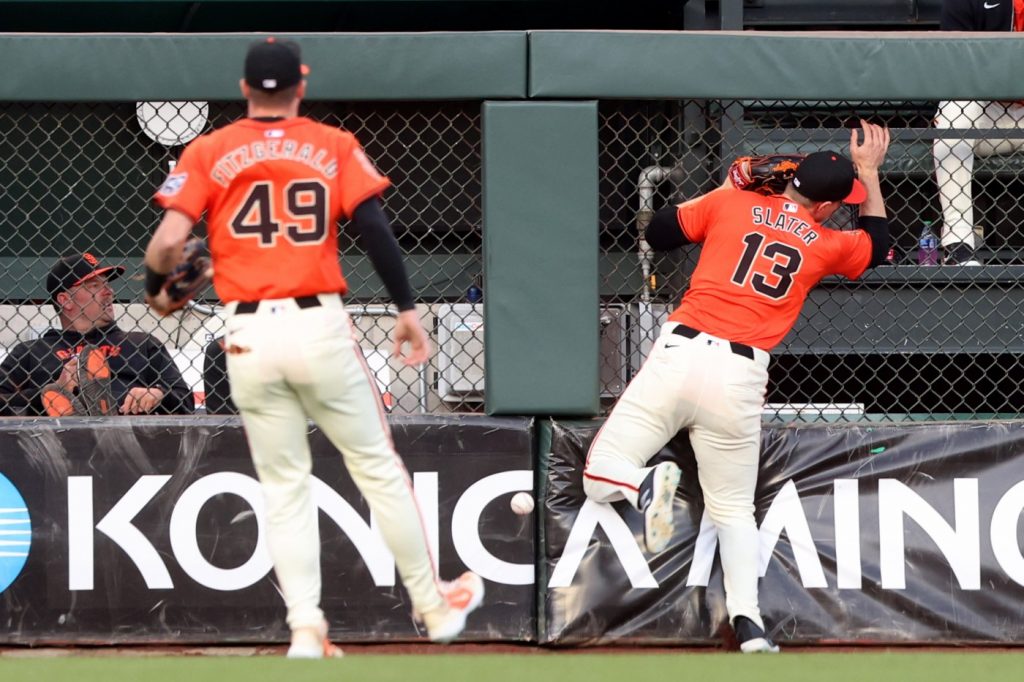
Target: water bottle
928,246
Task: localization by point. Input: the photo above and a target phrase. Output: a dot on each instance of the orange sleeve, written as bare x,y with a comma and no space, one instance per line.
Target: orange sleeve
187,187
358,179
851,253
696,215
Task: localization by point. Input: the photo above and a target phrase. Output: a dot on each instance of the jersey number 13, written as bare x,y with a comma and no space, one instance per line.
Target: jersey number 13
785,262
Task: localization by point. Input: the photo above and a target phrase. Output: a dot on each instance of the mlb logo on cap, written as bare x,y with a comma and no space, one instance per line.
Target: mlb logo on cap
272,65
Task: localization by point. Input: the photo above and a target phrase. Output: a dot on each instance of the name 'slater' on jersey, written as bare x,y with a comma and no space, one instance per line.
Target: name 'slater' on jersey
760,258
273,192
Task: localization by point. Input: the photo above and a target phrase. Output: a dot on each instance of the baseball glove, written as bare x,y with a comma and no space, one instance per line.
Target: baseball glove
764,174
189,277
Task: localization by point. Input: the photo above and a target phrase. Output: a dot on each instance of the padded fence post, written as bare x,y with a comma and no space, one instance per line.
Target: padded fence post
540,204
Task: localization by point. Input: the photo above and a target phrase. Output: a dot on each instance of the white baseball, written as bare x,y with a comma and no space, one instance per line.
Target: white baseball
522,503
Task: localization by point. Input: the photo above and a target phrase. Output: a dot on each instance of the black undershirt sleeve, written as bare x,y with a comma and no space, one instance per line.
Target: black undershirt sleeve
878,229
382,248
664,233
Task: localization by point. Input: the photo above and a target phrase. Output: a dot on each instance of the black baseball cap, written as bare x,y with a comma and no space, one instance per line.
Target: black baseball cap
272,65
829,176
74,268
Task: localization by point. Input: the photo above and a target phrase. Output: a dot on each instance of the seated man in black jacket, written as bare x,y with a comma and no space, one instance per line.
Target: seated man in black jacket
90,366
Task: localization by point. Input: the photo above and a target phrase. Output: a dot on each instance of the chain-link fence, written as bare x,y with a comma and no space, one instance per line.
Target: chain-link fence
931,336
77,178
909,340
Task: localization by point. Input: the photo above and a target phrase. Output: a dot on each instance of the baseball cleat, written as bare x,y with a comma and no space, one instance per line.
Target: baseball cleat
57,402
94,382
961,254
462,596
657,493
752,638
312,643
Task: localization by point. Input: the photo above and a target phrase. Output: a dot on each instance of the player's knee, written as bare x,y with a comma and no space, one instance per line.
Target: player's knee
589,485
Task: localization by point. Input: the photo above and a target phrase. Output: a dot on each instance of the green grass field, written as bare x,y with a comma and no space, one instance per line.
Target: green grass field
962,666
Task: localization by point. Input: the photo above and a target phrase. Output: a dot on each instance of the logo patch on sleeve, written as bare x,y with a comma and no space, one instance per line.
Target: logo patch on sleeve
173,184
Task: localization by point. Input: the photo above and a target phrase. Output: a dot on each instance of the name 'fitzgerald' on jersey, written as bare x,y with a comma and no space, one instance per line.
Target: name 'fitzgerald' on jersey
237,160
767,216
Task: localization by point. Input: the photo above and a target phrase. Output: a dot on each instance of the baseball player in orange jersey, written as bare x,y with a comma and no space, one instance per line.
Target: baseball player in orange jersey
273,186
708,369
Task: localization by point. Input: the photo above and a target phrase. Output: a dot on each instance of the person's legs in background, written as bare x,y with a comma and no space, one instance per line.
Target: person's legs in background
954,172
954,168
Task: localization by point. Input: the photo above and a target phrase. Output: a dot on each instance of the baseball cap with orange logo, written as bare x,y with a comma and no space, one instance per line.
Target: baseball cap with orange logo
272,65
75,268
829,176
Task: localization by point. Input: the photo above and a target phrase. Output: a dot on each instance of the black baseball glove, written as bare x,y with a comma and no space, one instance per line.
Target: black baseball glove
189,277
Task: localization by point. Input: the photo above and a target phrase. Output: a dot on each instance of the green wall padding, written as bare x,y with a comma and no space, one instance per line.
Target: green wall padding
371,66
798,65
540,257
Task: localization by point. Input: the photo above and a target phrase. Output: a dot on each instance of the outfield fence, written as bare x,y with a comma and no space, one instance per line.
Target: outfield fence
911,340
79,177
920,337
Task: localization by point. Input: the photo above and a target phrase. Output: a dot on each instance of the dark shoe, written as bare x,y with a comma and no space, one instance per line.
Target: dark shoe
961,254
59,403
752,639
94,382
655,501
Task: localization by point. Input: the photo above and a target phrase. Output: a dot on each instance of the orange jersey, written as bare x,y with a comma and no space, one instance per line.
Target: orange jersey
273,192
760,258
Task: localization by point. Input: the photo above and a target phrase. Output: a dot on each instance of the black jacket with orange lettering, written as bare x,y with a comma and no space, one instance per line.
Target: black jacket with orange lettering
135,359
976,15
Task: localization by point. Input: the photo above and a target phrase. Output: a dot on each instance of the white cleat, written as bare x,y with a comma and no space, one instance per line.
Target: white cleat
657,493
312,643
462,596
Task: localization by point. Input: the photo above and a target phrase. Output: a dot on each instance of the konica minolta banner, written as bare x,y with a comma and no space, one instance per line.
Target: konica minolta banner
869,534
148,529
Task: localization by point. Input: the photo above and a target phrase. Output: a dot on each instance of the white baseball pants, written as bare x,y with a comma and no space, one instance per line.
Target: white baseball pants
954,160
701,385
287,364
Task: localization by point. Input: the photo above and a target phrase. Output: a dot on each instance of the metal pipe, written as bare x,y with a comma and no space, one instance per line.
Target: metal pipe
650,178
201,308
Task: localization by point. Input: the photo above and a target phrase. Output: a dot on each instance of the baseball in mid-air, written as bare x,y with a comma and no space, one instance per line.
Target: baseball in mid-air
522,503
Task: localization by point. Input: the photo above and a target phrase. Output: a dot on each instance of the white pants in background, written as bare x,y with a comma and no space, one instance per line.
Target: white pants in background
697,384
954,160
286,364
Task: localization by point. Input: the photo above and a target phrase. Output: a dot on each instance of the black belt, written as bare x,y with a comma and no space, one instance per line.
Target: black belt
737,348
246,307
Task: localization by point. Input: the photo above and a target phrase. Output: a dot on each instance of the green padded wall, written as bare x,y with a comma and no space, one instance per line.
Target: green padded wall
373,66
763,65
540,257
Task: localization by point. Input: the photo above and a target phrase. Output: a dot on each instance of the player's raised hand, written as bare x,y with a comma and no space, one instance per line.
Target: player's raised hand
409,330
868,155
